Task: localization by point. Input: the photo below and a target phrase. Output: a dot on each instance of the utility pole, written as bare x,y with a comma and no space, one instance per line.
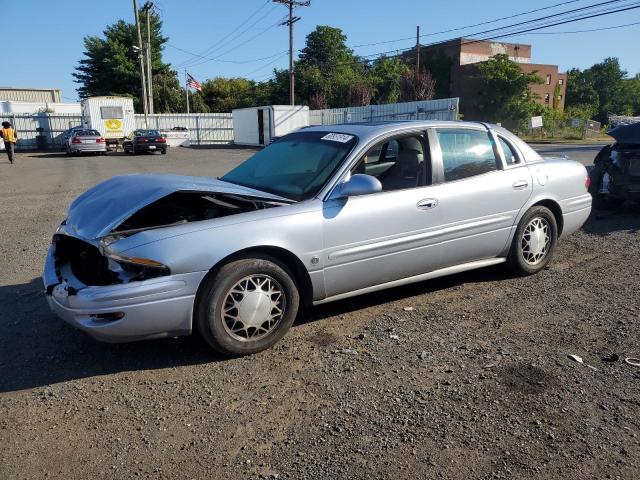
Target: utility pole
147,7
417,50
292,4
141,57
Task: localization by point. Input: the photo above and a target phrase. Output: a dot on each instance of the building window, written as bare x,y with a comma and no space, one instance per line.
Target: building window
559,97
561,81
546,98
548,79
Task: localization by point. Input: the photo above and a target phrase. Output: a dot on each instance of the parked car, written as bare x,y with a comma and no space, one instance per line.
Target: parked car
322,214
615,176
86,141
145,141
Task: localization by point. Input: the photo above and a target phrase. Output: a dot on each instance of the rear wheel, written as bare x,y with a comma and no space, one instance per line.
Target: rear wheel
534,241
247,306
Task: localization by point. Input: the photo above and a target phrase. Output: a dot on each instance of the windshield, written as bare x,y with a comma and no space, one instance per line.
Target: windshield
296,166
88,133
147,133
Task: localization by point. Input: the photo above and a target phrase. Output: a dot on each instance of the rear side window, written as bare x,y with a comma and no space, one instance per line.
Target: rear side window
465,153
510,156
109,113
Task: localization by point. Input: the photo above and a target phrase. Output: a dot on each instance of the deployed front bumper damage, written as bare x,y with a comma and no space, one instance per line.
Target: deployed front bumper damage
137,310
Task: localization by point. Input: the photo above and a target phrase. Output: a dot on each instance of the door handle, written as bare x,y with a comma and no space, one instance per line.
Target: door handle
427,203
520,184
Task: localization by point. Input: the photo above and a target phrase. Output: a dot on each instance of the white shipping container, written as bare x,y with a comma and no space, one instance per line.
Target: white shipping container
113,117
258,126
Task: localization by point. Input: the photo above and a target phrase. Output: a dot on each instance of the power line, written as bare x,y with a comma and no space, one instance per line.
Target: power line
469,26
613,27
237,46
266,65
223,61
406,52
219,43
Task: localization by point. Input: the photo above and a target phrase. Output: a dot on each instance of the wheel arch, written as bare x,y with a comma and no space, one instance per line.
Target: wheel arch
287,258
555,209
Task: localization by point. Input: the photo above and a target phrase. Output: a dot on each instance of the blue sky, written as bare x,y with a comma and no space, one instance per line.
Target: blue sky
45,38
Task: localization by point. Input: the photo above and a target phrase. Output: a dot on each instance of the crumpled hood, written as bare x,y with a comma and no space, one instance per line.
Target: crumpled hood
99,210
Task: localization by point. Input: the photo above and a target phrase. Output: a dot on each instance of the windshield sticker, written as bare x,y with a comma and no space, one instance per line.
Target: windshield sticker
337,137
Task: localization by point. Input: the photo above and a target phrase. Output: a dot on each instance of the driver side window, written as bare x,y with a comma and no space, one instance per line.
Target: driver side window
399,163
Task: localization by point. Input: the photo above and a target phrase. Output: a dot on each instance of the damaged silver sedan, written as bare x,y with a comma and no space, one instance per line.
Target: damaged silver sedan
321,214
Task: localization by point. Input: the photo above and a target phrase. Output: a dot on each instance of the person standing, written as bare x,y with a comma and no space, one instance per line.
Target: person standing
9,137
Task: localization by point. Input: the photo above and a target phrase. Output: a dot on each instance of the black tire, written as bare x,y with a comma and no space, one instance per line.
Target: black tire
215,293
600,201
164,151
519,260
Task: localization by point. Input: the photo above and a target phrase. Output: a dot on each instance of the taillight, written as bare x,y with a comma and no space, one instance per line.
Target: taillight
140,140
587,182
161,140
76,140
100,140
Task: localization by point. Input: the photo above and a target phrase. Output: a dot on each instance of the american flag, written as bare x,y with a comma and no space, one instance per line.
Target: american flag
193,83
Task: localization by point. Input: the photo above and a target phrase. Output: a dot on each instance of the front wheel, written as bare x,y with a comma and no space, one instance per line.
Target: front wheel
247,305
534,241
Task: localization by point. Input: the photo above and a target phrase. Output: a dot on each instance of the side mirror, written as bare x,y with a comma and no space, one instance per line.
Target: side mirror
358,184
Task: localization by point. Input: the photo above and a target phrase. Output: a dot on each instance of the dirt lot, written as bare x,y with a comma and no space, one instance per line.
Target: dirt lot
462,377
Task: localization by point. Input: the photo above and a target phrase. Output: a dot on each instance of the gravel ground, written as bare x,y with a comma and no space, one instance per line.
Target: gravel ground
462,377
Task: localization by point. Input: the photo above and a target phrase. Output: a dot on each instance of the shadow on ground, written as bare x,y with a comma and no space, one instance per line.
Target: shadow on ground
37,349
606,222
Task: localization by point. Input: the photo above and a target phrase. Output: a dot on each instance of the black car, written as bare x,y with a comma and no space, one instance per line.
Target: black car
145,141
615,176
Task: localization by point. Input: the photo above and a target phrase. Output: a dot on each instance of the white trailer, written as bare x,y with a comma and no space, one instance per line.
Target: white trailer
113,117
258,126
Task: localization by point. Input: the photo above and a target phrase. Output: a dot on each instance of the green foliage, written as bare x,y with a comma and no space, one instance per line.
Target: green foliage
506,96
224,94
111,67
439,66
327,65
384,78
604,88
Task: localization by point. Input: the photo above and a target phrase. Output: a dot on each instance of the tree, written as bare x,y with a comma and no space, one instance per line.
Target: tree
580,91
384,76
413,87
505,95
318,101
224,94
111,67
359,95
605,88
326,64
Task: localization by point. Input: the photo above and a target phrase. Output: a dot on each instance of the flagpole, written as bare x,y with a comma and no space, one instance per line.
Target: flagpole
186,88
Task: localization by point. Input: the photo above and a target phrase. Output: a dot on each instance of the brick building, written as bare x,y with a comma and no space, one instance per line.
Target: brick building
465,54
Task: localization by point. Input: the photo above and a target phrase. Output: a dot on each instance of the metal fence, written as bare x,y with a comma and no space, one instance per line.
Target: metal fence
45,130
445,109
41,130
204,128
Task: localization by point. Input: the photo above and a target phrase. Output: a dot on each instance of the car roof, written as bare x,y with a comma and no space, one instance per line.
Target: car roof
372,129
